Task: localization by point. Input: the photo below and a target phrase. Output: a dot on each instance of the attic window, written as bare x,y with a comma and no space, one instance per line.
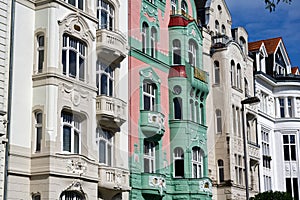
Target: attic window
219,8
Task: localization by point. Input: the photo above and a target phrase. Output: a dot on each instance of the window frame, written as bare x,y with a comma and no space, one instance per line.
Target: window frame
153,42
103,70
40,58
72,121
107,137
145,36
76,5
177,157
176,52
197,162
152,95
110,15
217,77
218,114
38,131
221,175
192,53
80,52
150,156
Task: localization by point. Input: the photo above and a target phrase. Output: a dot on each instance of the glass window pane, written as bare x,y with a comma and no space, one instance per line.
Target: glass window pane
80,4
64,61
292,139
67,138
102,152
146,165
286,152
293,152
285,139
146,102
109,155
38,138
81,69
104,19
179,168
104,84
110,87
76,142
72,64
72,2
296,188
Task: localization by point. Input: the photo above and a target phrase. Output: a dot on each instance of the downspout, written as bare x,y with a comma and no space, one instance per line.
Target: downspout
9,98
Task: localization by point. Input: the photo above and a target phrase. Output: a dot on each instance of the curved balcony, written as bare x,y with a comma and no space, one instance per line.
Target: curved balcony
113,178
110,111
111,45
152,124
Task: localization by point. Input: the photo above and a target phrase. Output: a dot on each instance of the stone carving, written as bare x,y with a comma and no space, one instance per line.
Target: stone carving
76,166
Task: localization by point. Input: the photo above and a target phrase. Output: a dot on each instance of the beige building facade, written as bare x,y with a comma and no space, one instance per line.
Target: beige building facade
68,137
225,57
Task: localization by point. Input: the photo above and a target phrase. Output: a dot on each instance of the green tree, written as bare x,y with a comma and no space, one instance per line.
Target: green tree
271,4
270,195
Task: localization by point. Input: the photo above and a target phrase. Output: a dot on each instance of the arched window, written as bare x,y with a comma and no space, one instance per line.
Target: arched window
246,86
178,157
38,131
144,37
223,29
71,195
192,52
149,157
73,57
232,73
219,121
238,76
221,170
177,102
40,52
243,44
192,110
105,15
217,27
104,79
174,6
149,95
183,7
217,72
197,163
71,132
105,146
176,52
153,42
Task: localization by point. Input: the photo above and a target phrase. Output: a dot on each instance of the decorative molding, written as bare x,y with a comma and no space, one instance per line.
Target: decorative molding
76,166
205,186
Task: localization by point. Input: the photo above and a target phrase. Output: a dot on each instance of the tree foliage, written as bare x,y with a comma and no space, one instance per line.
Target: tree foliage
270,195
271,4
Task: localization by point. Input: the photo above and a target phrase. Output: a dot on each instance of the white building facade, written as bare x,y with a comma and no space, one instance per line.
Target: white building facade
68,137
225,57
5,27
279,116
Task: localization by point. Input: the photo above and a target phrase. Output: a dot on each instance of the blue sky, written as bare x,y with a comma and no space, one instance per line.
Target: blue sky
261,24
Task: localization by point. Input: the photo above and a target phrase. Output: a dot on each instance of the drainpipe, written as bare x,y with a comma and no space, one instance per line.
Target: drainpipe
9,98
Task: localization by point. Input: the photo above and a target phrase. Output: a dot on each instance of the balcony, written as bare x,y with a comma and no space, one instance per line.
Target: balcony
253,150
111,45
110,111
113,178
152,124
220,41
153,184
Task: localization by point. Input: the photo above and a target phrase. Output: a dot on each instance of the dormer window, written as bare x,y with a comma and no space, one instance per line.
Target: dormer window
105,14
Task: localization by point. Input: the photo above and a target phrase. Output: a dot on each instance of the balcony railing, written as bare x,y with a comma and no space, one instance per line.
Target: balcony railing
111,45
113,178
220,41
110,109
152,123
200,75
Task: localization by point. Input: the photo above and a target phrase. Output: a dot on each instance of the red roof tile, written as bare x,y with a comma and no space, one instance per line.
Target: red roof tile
270,44
294,70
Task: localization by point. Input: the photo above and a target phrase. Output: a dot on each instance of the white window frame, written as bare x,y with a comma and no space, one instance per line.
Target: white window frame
38,131
144,34
151,94
72,44
106,7
217,72
150,156
178,154
107,137
174,6
192,52
238,76
108,72
77,4
40,58
72,121
153,39
197,162
176,49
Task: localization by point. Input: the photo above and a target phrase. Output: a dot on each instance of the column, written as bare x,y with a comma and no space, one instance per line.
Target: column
277,107
294,107
286,110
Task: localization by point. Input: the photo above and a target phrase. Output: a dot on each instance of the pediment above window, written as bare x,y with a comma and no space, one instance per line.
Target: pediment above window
75,25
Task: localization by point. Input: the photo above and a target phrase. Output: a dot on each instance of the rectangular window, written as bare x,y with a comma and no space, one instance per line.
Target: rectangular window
289,148
77,3
281,104
40,51
290,107
39,130
149,157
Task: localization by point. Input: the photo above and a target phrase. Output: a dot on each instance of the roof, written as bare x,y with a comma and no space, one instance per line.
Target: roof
295,70
270,44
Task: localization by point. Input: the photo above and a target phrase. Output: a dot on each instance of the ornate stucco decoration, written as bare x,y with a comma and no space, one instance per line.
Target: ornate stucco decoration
157,182
205,186
150,11
76,166
75,25
76,94
148,74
